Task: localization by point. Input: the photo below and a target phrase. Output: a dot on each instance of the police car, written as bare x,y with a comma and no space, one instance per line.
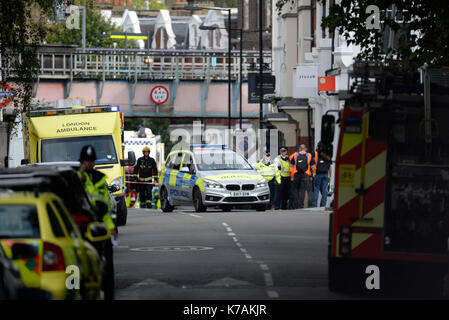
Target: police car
206,176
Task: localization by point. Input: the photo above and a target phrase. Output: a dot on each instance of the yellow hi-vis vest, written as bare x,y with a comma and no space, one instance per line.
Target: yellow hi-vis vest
285,167
268,171
98,192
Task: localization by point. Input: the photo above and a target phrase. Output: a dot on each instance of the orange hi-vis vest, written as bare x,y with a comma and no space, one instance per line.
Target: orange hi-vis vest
293,169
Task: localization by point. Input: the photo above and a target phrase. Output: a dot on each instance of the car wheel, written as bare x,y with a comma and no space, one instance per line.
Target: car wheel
165,204
122,212
261,207
198,201
226,208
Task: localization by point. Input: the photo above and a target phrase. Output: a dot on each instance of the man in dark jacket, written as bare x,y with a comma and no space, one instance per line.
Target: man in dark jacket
145,170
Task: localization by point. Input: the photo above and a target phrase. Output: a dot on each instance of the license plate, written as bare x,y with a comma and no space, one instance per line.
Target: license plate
239,194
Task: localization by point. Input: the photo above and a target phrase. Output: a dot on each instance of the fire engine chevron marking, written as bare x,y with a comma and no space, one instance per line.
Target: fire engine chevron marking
374,171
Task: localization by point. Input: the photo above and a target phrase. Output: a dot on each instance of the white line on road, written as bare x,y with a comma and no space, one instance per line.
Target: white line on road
268,279
228,229
272,294
238,244
235,239
248,256
243,250
231,234
225,224
264,267
194,215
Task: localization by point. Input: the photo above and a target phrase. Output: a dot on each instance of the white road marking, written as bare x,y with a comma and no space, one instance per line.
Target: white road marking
238,244
235,239
264,267
268,279
272,294
122,247
228,229
248,256
231,234
194,215
225,224
243,250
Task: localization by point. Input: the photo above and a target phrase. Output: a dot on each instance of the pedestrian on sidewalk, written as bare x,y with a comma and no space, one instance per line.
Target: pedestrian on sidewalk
323,173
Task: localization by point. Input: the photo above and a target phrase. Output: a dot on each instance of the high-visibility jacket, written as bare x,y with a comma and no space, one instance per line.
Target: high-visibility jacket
283,166
293,169
97,187
268,171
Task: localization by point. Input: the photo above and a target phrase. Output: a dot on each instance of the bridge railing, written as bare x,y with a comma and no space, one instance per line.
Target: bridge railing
148,64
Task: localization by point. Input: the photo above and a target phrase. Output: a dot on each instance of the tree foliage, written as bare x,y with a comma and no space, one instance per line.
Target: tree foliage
22,29
159,126
424,38
226,3
97,29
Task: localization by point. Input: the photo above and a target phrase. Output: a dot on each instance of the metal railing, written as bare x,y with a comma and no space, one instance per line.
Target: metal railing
147,64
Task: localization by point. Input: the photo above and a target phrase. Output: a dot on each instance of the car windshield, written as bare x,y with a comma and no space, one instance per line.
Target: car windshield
220,160
19,221
68,149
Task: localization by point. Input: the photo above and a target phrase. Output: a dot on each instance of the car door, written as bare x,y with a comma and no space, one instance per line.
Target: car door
172,167
70,242
186,178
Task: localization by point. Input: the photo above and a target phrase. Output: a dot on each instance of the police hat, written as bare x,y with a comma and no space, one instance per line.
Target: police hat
283,149
267,154
88,154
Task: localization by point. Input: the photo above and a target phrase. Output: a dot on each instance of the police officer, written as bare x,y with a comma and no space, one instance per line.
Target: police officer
96,186
283,163
270,172
323,172
145,169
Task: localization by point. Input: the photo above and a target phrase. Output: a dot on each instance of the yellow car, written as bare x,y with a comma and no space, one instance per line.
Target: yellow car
61,262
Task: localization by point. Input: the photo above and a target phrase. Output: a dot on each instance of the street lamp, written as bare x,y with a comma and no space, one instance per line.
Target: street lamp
196,8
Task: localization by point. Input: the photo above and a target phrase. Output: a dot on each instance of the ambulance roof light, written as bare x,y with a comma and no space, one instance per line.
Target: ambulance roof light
115,108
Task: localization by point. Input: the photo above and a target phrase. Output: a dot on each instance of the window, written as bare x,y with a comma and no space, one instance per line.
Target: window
19,221
68,149
170,162
54,222
65,219
187,163
177,162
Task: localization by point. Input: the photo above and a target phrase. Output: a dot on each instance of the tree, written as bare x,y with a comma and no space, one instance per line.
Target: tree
97,30
153,5
22,30
424,38
226,3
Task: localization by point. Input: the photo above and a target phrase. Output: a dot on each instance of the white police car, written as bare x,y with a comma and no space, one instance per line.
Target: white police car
211,176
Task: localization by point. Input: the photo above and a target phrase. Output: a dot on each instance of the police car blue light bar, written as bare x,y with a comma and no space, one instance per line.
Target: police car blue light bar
196,146
115,108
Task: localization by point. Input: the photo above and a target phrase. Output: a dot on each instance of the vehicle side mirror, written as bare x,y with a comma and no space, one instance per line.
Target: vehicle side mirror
114,188
97,231
327,129
131,158
184,169
23,251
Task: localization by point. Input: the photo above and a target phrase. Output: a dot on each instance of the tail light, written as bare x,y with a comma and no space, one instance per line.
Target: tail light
345,240
81,220
53,258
